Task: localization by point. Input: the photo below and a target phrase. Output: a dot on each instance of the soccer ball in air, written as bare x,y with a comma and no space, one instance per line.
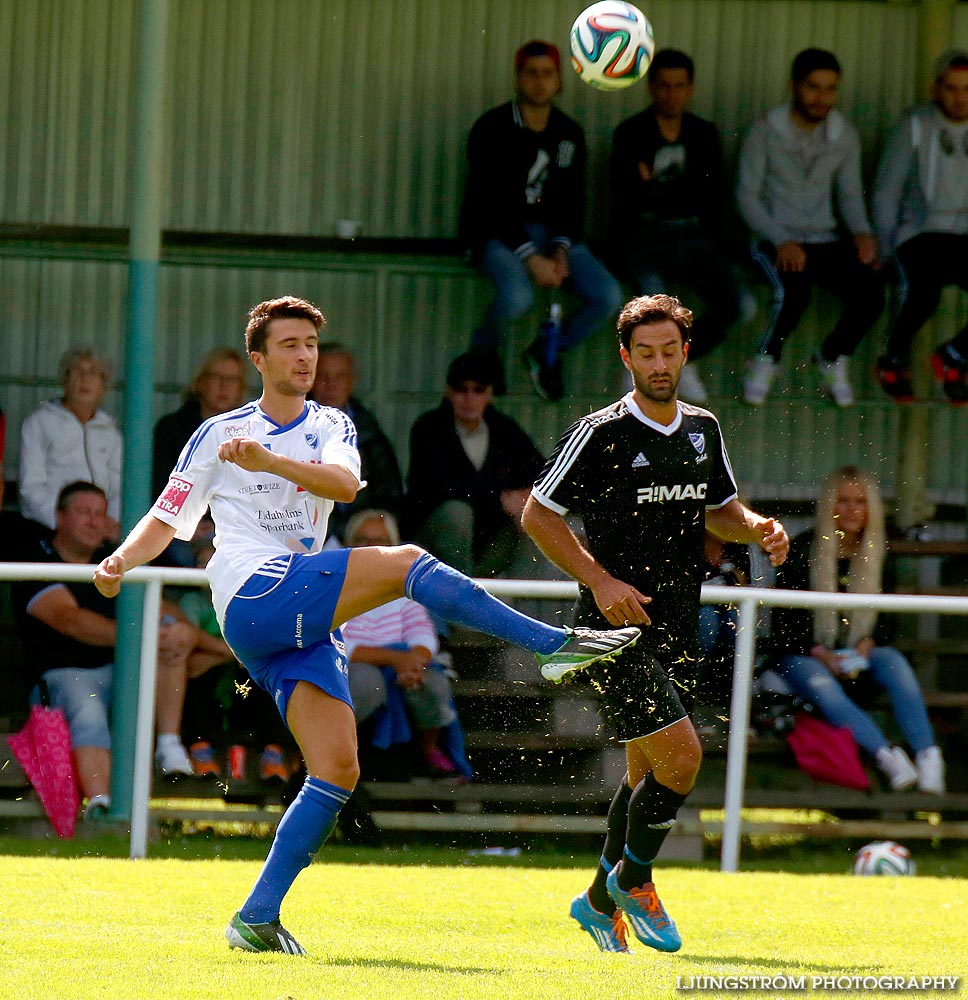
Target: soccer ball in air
883,857
611,45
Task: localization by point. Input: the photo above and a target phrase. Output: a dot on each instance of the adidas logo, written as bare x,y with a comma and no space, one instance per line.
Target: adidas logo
640,461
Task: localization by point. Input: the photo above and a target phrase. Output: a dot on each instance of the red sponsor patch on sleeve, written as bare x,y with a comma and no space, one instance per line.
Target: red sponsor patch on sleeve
174,495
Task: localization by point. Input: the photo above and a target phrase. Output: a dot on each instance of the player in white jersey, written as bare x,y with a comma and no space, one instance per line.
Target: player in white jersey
270,472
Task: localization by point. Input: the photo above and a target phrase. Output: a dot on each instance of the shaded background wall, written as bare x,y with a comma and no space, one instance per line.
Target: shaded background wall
285,115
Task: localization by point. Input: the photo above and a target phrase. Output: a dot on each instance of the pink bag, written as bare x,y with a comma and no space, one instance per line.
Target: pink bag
827,753
43,748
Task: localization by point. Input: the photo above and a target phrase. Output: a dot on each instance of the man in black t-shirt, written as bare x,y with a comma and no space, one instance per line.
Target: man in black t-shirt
668,198
648,475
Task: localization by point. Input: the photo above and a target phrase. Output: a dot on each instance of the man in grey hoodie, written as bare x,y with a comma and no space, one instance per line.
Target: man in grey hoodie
921,215
794,161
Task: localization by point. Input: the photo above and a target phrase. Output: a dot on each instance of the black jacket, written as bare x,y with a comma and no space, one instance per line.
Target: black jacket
499,198
171,435
696,191
440,469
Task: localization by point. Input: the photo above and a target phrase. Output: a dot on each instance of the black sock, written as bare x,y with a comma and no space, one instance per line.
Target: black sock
618,818
652,814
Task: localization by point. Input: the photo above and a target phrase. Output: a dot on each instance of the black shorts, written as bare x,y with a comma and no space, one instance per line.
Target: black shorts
643,690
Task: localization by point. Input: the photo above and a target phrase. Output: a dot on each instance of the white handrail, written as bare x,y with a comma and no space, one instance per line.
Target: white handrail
746,598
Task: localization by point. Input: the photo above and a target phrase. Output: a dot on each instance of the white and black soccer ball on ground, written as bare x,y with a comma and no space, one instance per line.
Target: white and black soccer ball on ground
883,857
612,45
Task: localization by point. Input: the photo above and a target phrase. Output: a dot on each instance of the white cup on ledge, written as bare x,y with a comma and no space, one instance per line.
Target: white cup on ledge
348,229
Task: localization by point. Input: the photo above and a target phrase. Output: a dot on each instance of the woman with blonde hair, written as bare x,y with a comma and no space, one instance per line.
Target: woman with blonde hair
832,656
219,384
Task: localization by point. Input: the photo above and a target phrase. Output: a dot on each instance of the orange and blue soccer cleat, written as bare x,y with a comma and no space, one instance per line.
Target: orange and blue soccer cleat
608,932
645,914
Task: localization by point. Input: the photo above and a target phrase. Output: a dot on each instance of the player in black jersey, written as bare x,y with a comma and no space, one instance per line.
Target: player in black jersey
648,476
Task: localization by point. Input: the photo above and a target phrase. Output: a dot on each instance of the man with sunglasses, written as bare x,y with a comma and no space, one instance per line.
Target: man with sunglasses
471,470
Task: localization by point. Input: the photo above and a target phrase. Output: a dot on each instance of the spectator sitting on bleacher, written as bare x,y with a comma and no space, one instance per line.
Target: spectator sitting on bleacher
668,196
394,646
834,658
218,385
334,385
72,439
795,163
921,214
69,634
471,471
523,214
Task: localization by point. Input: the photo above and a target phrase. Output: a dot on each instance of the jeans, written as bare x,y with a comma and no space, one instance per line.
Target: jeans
85,698
891,671
717,628
600,294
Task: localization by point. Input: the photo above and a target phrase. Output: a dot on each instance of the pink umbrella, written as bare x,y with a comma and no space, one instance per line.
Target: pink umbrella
43,748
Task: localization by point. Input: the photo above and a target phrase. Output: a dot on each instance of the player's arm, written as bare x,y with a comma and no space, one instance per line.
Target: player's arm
147,540
619,602
57,608
735,523
330,481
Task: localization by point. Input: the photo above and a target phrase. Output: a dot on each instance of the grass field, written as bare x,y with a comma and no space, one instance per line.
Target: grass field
398,924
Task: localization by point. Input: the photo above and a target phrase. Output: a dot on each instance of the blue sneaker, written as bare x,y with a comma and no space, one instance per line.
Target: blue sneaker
608,932
645,914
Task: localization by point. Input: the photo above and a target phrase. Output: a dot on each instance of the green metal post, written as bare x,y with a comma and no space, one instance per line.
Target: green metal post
144,254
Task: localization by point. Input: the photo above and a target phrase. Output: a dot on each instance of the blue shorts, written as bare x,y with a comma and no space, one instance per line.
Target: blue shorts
278,625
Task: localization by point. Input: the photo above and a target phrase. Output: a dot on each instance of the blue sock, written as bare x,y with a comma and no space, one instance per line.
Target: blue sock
451,595
300,834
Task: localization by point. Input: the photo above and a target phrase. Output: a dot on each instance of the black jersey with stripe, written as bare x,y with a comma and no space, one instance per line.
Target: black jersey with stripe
641,490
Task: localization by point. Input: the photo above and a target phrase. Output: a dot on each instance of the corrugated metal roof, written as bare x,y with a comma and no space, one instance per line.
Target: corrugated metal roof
286,115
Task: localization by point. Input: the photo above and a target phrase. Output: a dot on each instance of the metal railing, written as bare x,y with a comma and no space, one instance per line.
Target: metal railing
746,599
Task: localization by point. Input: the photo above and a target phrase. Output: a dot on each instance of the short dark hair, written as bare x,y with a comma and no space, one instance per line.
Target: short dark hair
648,309
476,365
287,307
810,60
334,347
78,486
537,47
672,59
952,59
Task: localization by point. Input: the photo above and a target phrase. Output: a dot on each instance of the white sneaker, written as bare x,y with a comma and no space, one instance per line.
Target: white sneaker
691,388
896,764
172,759
760,372
931,771
834,381
97,808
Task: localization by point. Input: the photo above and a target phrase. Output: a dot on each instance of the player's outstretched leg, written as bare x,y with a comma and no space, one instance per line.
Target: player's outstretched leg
560,652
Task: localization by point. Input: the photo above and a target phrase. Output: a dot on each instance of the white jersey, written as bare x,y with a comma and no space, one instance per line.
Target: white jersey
258,516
